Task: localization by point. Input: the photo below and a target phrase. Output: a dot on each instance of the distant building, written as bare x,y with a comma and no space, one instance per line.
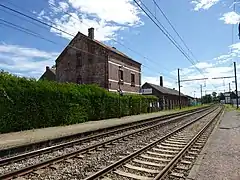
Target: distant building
88,61
227,96
168,98
49,74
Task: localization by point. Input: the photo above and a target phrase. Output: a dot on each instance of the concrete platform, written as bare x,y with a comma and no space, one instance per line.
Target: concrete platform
31,136
220,158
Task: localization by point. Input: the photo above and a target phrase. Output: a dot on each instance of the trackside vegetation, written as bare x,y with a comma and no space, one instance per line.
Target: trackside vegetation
28,103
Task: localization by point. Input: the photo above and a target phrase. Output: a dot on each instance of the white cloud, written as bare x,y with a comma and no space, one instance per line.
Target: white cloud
230,18
204,4
119,11
235,48
25,61
156,80
221,66
103,31
41,13
203,65
63,5
52,1
106,16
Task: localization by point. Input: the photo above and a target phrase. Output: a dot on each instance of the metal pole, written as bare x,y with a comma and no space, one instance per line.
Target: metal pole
201,94
179,93
229,88
235,73
119,100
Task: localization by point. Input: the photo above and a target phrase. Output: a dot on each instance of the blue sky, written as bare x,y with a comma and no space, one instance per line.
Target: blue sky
204,25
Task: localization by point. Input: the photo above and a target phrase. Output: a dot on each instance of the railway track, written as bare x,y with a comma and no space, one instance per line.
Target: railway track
169,157
66,141
98,146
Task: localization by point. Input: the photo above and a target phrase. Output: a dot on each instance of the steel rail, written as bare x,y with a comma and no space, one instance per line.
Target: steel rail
31,168
169,166
20,149
129,157
85,139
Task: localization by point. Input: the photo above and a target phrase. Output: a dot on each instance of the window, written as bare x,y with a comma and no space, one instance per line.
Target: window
132,78
79,59
91,50
120,75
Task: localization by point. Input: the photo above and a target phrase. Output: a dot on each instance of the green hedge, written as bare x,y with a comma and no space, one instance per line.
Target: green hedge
28,104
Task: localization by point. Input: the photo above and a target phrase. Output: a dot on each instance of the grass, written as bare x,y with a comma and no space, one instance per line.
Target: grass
229,107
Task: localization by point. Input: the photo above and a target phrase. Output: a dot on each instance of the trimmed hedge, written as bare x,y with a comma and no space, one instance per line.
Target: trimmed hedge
28,104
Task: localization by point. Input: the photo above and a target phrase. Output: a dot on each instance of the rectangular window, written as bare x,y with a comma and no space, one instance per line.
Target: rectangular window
120,75
79,59
91,52
132,78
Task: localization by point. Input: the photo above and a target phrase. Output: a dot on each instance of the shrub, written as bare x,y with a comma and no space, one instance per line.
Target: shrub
28,104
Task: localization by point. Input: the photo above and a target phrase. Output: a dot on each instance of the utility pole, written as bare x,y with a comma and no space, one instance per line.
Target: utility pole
201,94
229,88
179,93
235,74
119,91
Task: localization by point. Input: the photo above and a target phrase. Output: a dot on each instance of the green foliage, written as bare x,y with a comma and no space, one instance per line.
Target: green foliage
207,99
27,103
221,97
212,98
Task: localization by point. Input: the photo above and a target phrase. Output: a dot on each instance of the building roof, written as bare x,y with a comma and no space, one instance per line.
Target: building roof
114,50
53,70
190,97
164,90
48,76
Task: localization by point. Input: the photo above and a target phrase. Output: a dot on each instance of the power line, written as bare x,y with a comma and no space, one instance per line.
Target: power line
51,26
24,30
132,50
34,19
37,35
166,33
169,22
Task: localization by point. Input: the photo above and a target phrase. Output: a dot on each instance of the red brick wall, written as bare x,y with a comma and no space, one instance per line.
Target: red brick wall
92,68
101,69
128,67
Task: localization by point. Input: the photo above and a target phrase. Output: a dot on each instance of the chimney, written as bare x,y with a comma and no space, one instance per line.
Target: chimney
161,81
91,33
47,68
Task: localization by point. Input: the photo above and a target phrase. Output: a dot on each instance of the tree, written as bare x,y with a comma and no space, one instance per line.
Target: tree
207,99
222,97
214,94
214,97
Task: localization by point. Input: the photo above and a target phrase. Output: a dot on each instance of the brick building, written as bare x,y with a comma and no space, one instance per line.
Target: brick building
49,74
168,98
88,61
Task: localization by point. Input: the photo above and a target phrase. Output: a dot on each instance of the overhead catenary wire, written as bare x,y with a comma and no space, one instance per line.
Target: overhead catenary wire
34,19
37,35
174,29
166,33
24,30
132,50
58,29
73,35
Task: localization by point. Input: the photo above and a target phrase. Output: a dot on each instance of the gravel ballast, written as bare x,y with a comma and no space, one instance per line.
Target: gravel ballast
79,168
